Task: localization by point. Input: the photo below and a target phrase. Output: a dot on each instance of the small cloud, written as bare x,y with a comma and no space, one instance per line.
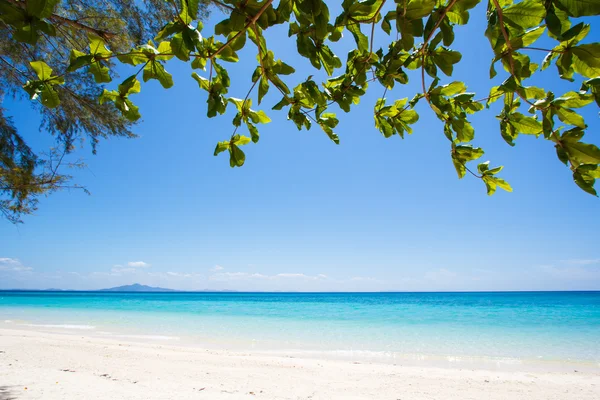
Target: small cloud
9,261
13,264
234,276
138,264
287,275
301,276
227,276
179,274
119,270
217,268
363,279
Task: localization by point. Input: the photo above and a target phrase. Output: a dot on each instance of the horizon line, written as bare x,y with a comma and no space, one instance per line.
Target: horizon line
225,291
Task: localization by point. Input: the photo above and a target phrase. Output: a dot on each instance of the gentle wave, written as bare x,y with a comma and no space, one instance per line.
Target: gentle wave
62,326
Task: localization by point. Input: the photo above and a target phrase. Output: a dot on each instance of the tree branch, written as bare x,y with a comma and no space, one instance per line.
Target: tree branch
426,42
248,25
71,22
509,50
107,36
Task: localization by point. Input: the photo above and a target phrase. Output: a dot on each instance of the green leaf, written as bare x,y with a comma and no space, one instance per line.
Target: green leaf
579,8
236,156
583,152
464,130
452,88
221,147
44,91
42,70
364,10
240,140
27,34
12,14
524,15
263,88
79,60
445,59
100,72
98,47
462,154
329,60
557,22
362,42
573,100
44,87
259,117
491,182
586,59
202,82
327,122
418,8
133,58
169,29
385,26
594,86
585,177
526,125
253,132
574,35
578,152
189,8
458,14
155,70
180,47
527,38
41,8
570,117
130,86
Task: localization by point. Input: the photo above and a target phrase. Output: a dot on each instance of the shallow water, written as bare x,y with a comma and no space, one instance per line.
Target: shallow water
514,327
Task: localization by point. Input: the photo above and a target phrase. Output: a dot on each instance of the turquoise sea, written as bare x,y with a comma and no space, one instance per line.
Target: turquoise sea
517,327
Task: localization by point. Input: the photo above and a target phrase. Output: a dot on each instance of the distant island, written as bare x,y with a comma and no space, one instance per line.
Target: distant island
136,287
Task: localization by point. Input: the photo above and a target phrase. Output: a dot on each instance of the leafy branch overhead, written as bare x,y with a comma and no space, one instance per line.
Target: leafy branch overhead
420,38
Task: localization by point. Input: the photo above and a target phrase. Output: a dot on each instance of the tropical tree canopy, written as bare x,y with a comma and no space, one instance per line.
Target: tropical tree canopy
64,57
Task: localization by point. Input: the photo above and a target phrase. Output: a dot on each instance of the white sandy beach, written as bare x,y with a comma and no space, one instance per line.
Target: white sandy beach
36,365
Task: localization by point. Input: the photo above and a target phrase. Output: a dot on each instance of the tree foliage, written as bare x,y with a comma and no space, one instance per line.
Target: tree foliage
37,39
421,36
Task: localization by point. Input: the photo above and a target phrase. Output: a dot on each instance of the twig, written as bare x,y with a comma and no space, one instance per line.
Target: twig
471,172
250,23
509,48
540,49
243,104
424,47
232,9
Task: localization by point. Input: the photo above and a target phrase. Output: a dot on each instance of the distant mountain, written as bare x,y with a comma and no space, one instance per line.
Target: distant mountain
136,287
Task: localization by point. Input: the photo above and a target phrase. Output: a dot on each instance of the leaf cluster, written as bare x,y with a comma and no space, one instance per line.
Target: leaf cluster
422,50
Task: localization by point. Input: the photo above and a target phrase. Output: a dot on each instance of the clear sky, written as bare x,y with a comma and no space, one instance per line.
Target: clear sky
303,213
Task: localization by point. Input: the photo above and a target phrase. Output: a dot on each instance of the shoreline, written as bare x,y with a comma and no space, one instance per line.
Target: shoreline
57,366
274,349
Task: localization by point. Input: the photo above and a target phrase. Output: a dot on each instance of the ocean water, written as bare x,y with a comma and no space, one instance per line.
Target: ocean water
518,327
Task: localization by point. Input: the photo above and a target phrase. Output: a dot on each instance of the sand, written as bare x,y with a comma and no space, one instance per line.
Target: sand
38,365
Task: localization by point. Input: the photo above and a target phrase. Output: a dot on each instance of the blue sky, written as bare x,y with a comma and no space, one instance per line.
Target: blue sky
303,213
